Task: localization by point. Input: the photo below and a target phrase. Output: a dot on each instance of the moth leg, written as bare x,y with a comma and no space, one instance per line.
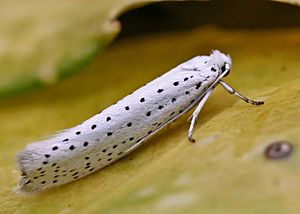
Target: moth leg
232,91
196,113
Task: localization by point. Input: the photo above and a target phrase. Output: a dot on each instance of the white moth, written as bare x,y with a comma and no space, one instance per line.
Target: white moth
122,127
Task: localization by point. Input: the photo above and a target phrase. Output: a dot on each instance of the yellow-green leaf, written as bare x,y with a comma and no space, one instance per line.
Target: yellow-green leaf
44,41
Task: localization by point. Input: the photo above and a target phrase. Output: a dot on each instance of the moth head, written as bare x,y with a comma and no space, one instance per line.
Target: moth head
222,60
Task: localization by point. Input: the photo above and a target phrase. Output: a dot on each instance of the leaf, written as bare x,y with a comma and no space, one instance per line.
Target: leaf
224,171
45,41
295,2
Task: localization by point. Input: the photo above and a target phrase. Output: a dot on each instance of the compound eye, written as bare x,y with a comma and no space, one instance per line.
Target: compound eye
224,68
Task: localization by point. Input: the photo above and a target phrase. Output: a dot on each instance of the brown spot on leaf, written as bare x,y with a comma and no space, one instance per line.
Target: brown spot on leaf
278,150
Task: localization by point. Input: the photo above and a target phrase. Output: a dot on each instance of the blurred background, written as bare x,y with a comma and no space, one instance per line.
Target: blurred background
40,47
184,15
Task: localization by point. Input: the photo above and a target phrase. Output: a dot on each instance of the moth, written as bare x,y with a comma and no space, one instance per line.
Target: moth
124,126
